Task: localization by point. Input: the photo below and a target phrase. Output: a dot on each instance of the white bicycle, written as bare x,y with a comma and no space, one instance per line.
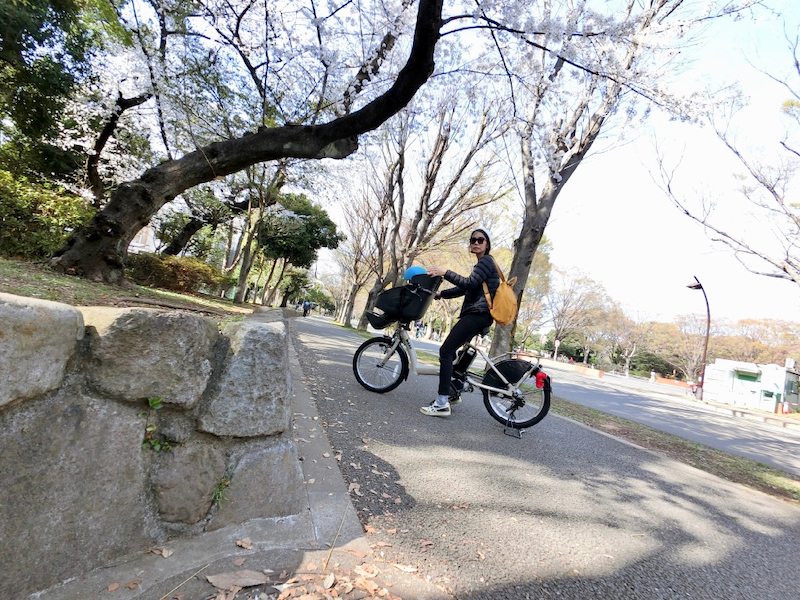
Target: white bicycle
515,392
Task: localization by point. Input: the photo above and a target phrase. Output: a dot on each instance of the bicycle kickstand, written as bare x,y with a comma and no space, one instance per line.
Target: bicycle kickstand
512,431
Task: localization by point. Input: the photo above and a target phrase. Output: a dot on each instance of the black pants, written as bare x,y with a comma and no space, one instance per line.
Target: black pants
467,327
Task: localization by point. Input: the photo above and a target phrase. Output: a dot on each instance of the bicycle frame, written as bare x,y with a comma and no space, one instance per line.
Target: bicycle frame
401,337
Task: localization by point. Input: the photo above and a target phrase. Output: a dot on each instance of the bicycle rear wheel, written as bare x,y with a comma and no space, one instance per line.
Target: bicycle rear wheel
377,367
526,406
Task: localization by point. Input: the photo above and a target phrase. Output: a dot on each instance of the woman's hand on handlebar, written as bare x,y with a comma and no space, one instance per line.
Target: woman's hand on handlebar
436,271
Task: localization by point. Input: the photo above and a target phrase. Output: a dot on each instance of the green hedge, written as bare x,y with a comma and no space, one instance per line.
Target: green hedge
180,274
35,221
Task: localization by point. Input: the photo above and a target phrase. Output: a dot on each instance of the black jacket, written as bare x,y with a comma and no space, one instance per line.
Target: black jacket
472,287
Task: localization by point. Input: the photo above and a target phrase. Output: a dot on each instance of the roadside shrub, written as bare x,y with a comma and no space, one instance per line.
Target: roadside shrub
176,273
35,221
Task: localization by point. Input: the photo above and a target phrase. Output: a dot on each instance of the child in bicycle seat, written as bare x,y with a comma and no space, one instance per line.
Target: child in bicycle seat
473,318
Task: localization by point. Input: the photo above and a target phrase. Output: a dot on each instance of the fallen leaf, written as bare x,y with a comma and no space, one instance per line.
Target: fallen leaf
312,480
398,501
383,545
426,543
405,568
391,531
113,587
369,529
356,553
131,585
367,571
242,579
481,555
355,488
329,581
245,543
366,584
232,592
239,561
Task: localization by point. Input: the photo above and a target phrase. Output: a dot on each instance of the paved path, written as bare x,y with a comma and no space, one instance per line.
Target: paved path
566,512
771,439
765,438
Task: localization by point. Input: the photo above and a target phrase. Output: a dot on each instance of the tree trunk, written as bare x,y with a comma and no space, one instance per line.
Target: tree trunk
98,250
177,245
351,301
267,282
92,174
372,297
248,256
274,290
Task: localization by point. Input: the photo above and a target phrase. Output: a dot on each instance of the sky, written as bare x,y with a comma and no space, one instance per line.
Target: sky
613,224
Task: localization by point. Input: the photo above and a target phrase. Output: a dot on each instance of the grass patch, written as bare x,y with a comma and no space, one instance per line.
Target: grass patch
733,468
37,280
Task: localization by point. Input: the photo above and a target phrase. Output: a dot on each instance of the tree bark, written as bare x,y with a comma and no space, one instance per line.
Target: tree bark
92,174
351,300
98,250
178,244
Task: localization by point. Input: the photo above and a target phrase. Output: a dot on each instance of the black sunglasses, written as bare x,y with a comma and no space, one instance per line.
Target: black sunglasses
478,240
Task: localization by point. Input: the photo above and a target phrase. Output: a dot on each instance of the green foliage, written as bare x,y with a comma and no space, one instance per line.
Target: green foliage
44,53
178,273
294,282
320,297
219,490
297,232
36,220
644,363
152,439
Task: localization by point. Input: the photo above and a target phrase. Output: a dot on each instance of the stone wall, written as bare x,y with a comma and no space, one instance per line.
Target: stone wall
121,428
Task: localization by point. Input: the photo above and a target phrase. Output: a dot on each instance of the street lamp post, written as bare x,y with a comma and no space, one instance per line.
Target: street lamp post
699,286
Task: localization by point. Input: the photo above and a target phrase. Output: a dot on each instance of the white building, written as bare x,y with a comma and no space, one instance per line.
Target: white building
749,385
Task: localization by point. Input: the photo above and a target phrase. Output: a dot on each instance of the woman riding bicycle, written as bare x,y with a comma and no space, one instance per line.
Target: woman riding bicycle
474,316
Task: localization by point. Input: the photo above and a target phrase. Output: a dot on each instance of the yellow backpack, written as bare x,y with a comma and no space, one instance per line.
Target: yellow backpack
504,306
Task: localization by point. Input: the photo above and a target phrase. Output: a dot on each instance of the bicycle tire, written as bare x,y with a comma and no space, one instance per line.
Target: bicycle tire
524,409
373,376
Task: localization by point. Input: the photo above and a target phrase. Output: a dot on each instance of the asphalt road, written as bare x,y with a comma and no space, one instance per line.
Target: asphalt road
669,409
565,512
775,446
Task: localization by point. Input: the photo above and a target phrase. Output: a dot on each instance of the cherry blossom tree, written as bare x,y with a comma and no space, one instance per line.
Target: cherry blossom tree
304,72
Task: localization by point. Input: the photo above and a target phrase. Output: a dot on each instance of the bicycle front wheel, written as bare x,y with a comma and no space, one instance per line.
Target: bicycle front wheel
525,407
379,368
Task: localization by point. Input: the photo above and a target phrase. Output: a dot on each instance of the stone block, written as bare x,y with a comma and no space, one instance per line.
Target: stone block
74,488
139,353
253,394
185,479
37,339
266,483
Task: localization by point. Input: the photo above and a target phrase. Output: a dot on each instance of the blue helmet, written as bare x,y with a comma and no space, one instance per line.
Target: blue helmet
415,270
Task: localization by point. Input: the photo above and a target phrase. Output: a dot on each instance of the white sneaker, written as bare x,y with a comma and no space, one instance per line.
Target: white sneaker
434,410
